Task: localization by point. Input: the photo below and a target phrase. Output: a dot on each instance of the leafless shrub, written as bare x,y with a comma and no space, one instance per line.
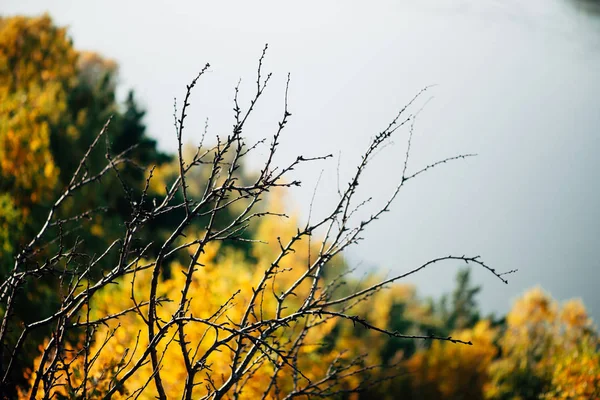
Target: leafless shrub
253,340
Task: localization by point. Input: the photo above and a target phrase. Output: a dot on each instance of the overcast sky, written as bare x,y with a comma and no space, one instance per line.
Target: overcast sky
517,83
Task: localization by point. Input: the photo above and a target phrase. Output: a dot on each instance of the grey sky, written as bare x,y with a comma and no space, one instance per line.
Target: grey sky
518,84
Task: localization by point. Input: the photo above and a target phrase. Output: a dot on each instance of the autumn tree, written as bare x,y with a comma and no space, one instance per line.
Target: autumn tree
576,372
547,351
543,350
459,372
431,369
37,65
54,99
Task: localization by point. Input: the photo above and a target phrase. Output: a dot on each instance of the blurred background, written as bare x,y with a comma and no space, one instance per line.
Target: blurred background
515,82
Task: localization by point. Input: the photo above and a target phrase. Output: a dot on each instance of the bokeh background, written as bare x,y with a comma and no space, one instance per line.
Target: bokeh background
515,82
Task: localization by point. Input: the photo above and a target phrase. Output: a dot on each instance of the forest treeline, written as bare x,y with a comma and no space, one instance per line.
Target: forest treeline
54,99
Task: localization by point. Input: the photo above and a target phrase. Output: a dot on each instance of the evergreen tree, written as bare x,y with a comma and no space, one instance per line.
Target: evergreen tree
463,310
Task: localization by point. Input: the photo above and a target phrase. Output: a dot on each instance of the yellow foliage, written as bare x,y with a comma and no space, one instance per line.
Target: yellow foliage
37,66
454,371
576,374
212,284
574,315
544,350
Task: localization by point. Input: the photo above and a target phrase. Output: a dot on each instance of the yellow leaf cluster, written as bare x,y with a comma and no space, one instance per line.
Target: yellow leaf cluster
37,66
576,374
554,346
450,371
224,272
